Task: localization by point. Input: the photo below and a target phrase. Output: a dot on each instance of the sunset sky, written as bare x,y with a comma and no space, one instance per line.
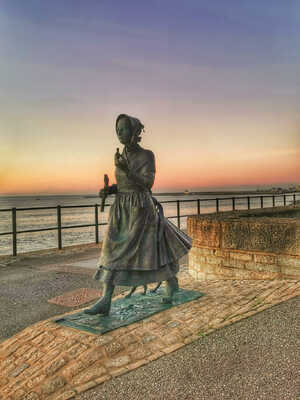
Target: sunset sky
216,84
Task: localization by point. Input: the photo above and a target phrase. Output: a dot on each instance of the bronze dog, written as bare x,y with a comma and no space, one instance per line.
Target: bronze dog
145,290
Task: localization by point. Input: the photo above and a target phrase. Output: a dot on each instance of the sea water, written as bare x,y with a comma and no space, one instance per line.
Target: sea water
47,218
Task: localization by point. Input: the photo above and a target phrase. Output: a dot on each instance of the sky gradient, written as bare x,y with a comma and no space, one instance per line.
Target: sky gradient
216,84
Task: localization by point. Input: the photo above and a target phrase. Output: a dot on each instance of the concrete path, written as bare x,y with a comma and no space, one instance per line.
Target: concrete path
28,282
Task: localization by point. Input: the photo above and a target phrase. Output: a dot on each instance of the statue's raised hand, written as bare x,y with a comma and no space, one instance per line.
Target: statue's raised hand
120,162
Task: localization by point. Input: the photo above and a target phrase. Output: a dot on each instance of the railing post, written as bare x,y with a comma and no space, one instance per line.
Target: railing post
96,224
294,199
261,202
284,200
217,205
248,202
14,229
59,227
178,213
273,200
233,203
198,206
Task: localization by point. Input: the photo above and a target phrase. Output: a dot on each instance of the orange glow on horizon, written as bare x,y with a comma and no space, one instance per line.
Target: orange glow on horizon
178,181
180,165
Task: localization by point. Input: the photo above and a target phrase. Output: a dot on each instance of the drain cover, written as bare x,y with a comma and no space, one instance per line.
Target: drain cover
76,297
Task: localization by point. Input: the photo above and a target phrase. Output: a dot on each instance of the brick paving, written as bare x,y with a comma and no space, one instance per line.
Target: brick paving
48,361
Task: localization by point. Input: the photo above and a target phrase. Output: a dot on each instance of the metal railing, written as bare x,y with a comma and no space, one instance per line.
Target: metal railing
59,228
233,202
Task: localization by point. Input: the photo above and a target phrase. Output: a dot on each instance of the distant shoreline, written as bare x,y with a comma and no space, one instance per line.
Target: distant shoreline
218,193
198,193
236,192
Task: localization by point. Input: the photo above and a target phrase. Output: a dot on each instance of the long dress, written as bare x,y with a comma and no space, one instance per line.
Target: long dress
140,246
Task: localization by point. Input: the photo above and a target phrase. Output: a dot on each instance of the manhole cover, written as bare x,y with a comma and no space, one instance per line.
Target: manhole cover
76,297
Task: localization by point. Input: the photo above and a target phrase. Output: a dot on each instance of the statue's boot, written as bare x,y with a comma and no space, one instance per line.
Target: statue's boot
171,288
103,304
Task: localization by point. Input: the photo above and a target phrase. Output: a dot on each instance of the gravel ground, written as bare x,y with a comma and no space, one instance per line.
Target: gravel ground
27,285
254,359
24,300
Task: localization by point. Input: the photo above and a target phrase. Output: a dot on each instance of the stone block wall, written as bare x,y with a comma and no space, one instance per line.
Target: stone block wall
237,245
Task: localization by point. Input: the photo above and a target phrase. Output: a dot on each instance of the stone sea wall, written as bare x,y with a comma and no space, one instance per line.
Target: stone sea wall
254,244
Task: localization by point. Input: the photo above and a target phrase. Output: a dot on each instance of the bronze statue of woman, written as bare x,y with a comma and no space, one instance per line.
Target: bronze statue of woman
140,245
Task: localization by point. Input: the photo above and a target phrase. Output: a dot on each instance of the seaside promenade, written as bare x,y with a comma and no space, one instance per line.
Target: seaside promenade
238,341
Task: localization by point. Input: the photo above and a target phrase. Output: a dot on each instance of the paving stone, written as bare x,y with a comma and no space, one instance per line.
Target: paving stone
117,362
31,396
8,369
172,348
156,345
52,385
195,325
192,338
32,382
36,356
85,387
17,371
173,324
72,369
77,349
96,371
32,370
155,356
85,338
102,340
55,365
19,394
171,339
3,381
103,379
184,331
43,339
6,362
137,364
49,356
128,339
33,333
148,338
140,352
69,333
69,394
29,353
91,356
118,372
7,351
149,325
9,342
113,348
22,350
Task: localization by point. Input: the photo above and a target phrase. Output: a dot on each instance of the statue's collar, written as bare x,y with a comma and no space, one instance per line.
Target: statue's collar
132,148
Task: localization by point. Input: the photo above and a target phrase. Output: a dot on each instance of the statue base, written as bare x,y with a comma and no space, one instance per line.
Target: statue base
127,311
